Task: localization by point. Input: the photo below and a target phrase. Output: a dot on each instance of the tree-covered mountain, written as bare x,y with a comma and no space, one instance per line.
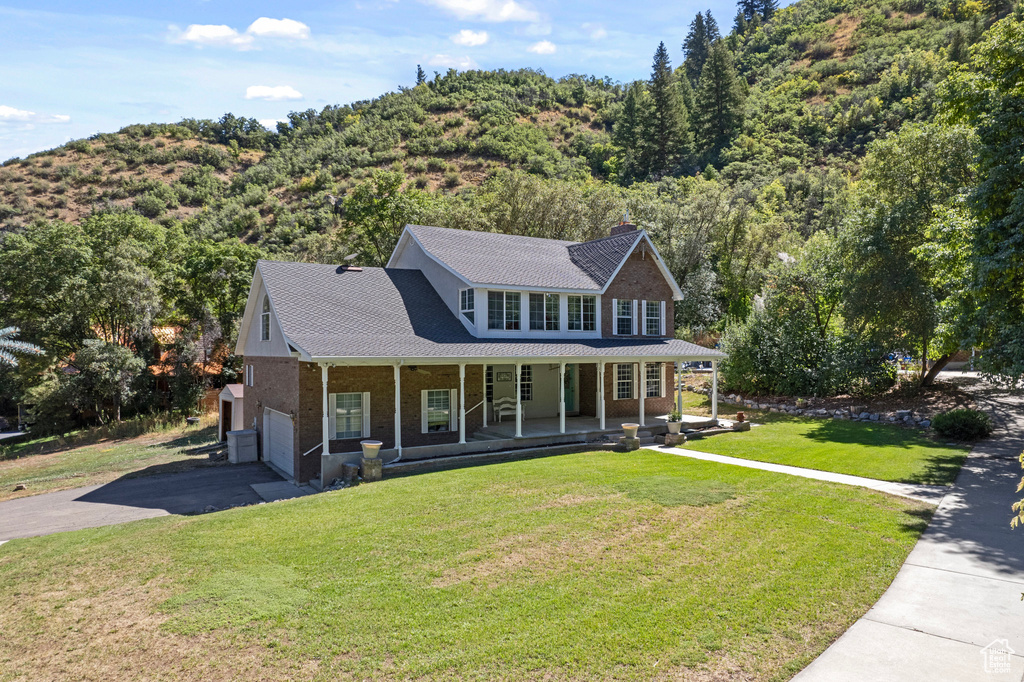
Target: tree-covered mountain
783,166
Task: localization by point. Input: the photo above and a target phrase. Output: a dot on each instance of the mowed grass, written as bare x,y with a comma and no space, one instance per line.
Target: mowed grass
870,449
586,566
161,451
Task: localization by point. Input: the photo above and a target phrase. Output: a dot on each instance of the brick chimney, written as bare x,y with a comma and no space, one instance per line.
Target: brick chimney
622,228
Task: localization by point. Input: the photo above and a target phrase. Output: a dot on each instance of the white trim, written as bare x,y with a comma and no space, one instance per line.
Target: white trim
366,414
406,231
250,312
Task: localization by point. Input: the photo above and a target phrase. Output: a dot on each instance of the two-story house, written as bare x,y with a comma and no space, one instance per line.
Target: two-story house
465,342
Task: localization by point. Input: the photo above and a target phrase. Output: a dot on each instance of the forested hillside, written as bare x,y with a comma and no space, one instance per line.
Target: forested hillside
776,157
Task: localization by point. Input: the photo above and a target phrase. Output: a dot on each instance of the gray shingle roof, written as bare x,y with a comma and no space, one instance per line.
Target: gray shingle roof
384,313
490,258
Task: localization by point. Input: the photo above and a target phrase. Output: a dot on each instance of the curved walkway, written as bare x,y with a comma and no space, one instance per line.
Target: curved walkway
956,609
924,493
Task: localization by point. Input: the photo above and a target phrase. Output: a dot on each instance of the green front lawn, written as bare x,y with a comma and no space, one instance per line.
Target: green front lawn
869,449
587,566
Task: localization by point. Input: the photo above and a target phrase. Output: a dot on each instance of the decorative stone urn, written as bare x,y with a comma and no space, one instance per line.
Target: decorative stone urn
674,427
371,448
630,430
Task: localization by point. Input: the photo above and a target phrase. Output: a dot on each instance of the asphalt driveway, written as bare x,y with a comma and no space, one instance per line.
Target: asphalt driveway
129,499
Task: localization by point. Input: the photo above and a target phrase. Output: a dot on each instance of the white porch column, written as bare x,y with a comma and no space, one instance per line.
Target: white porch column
561,397
462,403
600,395
484,393
679,386
519,400
327,420
398,410
714,389
643,389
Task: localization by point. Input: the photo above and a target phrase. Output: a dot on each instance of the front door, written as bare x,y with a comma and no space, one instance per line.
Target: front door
569,389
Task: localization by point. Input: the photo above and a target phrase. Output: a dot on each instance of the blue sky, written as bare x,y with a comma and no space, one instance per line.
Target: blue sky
72,69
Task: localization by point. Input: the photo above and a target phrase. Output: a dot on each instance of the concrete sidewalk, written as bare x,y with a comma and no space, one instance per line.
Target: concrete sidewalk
956,605
932,494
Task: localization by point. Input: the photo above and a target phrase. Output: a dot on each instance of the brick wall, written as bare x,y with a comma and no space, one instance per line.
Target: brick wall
614,409
275,383
639,279
380,383
588,389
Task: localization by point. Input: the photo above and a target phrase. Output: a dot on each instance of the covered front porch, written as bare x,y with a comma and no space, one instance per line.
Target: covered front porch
580,425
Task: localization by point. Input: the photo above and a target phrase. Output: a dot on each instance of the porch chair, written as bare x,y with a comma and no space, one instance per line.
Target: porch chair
505,406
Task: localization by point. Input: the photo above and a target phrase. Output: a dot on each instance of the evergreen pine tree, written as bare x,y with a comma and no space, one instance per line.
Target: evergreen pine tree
421,77
695,48
719,101
711,28
668,131
630,132
957,50
767,8
685,92
740,23
749,8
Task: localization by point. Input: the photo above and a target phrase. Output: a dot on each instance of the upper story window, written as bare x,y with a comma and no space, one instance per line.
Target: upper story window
265,320
544,315
582,313
503,310
652,318
467,305
623,316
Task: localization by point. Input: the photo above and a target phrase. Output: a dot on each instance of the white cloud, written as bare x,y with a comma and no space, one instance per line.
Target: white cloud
271,123
12,115
449,62
217,35
278,28
543,47
272,93
470,38
221,35
595,31
487,10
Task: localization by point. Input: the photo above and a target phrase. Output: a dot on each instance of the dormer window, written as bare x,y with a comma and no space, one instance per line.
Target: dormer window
503,310
582,313
265,320
466,305
544,315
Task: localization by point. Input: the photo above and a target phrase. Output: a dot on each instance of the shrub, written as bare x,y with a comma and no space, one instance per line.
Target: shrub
452,179
962,424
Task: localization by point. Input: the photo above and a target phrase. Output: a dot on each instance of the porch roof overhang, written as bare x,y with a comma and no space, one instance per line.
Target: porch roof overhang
417,351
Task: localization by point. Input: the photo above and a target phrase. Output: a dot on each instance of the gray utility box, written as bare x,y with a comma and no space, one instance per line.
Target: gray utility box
242,446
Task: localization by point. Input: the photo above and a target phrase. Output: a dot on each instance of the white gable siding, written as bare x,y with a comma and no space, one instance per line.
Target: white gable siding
253,346
444,282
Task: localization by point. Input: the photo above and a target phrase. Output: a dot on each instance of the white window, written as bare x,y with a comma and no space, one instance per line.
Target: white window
654,388
582,313
526,383
544,315
624,317
653,318
503,310
348,416
265,320
466,305
437,410
624,385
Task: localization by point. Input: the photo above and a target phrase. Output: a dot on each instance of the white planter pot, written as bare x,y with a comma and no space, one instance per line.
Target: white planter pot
674,427
371,448
630,430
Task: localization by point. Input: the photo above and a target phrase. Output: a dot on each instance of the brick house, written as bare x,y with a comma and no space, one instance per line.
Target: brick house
465,342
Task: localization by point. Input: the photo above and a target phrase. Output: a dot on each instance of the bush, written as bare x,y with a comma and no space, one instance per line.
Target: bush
962,424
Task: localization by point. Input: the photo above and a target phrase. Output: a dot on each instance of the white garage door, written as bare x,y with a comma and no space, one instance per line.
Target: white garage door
278,448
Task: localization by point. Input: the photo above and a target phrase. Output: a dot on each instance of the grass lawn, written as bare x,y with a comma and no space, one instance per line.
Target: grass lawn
161,451
586,566
870,449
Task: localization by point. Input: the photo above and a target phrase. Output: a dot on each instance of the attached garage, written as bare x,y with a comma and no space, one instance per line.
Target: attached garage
279,441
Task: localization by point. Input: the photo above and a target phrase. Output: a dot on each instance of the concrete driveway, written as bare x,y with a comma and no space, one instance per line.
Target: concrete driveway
129,499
